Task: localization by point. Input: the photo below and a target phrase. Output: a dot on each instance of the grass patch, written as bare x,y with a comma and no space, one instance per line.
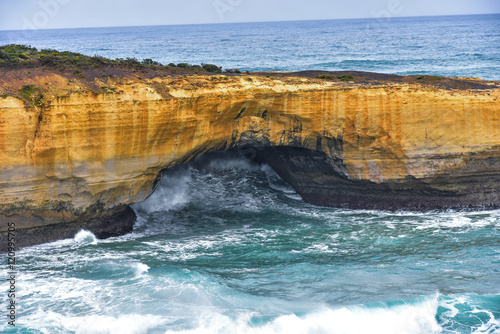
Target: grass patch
339,77
324,76
345,78
429,78
31,93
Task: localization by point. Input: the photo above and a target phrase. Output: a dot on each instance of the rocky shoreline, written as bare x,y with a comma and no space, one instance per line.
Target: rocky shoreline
75,151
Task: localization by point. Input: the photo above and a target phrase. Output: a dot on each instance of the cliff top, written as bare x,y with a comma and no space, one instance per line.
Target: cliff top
27,72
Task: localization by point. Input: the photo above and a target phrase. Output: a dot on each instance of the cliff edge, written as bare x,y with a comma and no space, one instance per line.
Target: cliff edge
76,150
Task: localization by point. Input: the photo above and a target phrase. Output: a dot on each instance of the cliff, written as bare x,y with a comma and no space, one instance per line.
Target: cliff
75,153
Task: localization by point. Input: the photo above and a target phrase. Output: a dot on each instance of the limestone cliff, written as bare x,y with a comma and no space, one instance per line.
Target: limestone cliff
77,153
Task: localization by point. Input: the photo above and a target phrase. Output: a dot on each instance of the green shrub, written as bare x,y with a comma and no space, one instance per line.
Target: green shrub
149,62
31,93
13,55
233,70
97,59
212,68
427,77
324,76
22,55
345,78
132,61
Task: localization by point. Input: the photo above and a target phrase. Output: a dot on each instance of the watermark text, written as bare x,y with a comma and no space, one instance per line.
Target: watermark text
11,274
222,7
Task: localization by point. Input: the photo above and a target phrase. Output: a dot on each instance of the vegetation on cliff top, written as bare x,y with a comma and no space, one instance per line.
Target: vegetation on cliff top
32,94
28,61
339,77
19,56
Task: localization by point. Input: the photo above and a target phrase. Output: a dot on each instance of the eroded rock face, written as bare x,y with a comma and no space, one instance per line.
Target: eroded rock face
323,180
82,154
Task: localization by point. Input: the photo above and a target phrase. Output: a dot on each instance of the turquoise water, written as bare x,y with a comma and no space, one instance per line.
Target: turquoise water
225,246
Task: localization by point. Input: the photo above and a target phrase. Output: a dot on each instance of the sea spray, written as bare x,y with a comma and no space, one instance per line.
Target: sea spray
412,318
240,256
171,193
84,237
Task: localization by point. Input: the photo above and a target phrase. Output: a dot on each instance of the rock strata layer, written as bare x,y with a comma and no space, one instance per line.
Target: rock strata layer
79,153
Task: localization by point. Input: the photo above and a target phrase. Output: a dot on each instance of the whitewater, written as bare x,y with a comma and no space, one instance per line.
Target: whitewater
225,246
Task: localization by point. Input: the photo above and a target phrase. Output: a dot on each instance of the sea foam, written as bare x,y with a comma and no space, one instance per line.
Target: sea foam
171,193
52,322
84,237
403,319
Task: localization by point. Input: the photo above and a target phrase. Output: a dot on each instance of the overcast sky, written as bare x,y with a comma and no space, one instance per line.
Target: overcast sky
46,14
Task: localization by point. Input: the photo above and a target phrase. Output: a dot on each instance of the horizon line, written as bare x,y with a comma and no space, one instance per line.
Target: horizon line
243,22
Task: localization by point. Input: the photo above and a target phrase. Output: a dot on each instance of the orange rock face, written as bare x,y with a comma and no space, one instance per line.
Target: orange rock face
82,153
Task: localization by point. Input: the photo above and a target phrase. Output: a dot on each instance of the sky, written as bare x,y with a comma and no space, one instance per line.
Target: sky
50,14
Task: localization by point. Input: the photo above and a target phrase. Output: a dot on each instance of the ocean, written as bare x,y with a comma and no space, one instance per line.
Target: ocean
454,46
225,246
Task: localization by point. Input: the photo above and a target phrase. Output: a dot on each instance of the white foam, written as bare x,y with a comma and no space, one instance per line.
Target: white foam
84,237
318,248
467,308
452,222
140,268
230,163
190,249
48,247
51,322
405,319
490,327
171,193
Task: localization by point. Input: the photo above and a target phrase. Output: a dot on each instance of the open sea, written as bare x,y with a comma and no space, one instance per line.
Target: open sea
225,246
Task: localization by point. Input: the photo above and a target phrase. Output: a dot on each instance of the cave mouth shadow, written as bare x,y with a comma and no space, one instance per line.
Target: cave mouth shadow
203,195
245,154
326,181
302,169
323,180
233,159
